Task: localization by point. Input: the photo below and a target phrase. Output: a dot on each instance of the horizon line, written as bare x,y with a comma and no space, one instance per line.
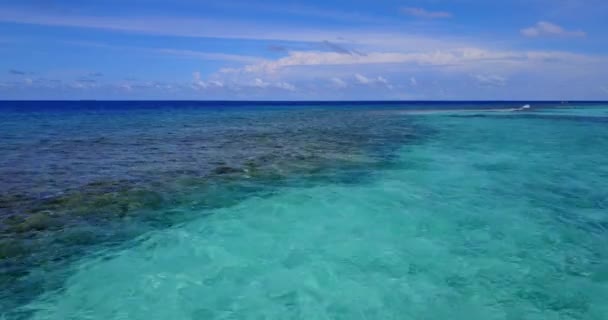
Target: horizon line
300,101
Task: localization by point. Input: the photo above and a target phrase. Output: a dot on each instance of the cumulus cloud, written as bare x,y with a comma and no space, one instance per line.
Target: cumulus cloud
322,74
259,83
198,83
447,58
544,28
285,86
379,80
423,13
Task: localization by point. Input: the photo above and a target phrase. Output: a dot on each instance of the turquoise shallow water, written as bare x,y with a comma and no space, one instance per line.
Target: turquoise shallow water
490,216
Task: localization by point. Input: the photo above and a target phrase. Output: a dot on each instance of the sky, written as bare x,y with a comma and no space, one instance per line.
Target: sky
304,50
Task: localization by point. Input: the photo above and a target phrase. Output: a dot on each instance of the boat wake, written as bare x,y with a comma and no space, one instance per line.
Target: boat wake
522,108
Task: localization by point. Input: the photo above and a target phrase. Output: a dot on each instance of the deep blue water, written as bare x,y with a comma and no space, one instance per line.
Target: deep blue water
417,105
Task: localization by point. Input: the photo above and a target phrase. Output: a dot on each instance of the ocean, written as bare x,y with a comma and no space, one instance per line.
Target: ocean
303,210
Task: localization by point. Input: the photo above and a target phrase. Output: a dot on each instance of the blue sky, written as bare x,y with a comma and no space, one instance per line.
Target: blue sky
304,50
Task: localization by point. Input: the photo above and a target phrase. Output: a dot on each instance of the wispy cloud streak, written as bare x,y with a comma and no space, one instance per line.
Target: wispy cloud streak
229,29
445,58
544,28
423,13
209,55
17,72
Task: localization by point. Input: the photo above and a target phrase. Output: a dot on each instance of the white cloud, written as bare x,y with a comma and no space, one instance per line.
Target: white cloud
338,83
423,13
285,86
490,80
125,87
385,37
317,58
84,84
465,57
198,83
259,83
174,26
544,28
457,68
361,79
